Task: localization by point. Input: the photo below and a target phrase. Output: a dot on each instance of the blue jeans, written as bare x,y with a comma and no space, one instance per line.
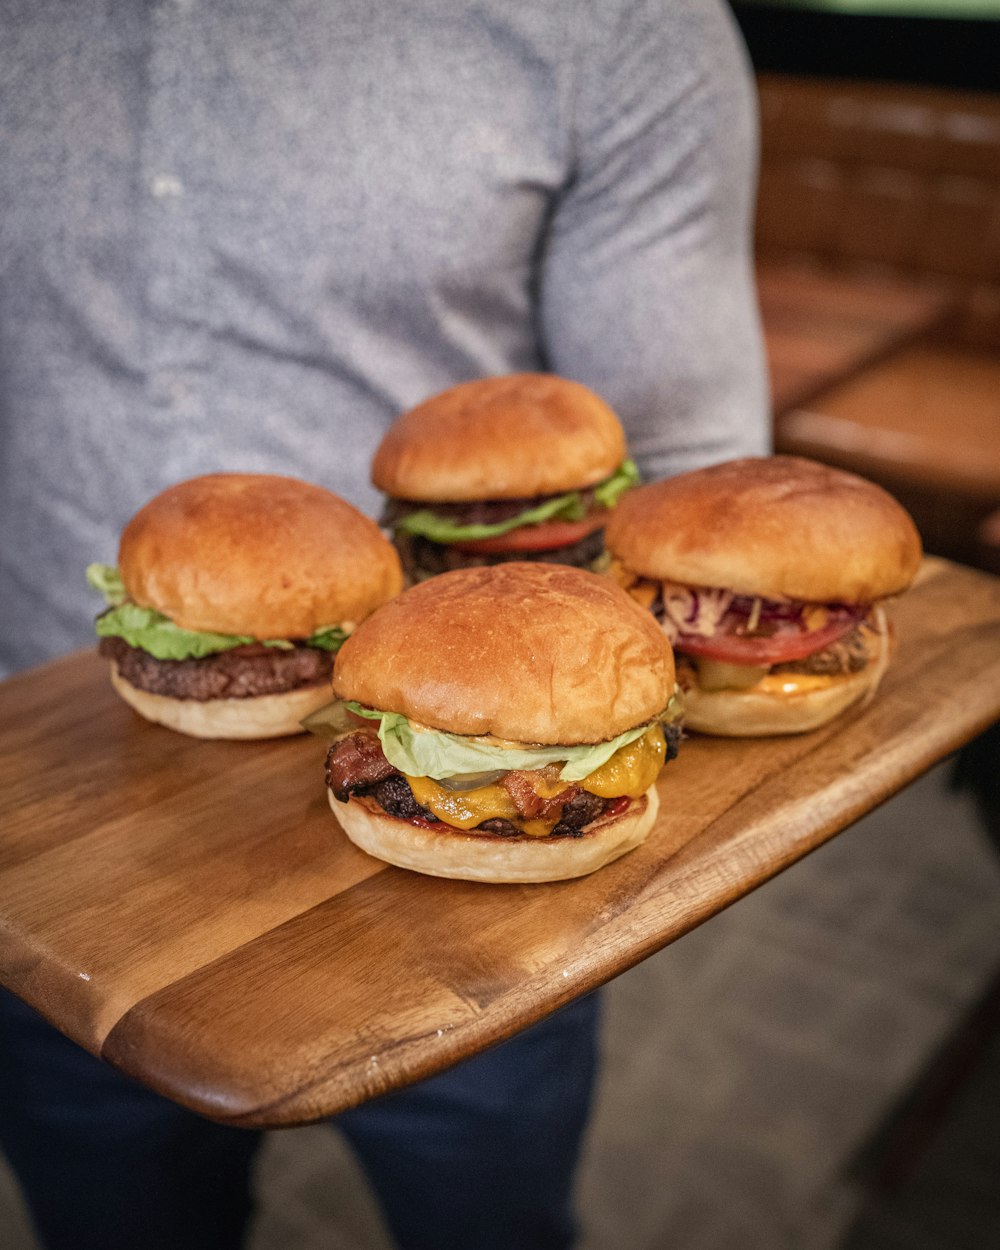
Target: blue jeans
479,1158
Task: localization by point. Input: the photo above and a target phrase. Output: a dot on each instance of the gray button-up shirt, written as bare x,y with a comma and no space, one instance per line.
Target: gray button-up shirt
239,234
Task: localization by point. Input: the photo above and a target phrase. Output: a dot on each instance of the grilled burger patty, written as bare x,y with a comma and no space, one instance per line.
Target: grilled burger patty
356,765
240,673
395,798
849,654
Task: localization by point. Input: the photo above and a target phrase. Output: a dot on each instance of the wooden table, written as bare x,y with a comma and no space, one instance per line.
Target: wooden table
191,911
821,328
929,415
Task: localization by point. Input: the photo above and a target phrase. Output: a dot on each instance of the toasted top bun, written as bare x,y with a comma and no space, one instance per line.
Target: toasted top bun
778,527
241,553
510,437
536,653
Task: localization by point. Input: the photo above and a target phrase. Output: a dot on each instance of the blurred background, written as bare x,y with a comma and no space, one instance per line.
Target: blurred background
818,1068
880,167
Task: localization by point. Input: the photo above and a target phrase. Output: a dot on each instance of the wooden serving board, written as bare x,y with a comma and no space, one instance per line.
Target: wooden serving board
192,912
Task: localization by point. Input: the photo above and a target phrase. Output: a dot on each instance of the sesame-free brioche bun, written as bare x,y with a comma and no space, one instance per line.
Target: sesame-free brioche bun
775,527
447,852
532,653
758,713
512,437
256,554
261,716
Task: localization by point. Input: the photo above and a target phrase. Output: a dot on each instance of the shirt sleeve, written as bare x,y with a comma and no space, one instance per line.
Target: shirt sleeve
646,288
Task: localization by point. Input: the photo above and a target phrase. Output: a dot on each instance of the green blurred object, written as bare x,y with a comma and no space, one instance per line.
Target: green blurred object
954,9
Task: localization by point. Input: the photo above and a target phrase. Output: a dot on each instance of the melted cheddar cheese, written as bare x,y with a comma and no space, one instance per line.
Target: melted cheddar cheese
464,809
815,616
630,771
641,589
790,684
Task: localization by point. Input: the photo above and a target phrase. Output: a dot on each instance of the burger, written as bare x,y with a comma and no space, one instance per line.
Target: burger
231,595
501,724
523,467
768,576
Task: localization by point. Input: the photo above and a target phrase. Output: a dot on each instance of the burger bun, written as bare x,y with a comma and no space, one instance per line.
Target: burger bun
256,554
511,437
779,527
260,716
755,713
448,852
527,653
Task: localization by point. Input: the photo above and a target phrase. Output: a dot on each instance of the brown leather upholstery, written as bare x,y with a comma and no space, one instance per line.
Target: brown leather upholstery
874,176
866,178
988,538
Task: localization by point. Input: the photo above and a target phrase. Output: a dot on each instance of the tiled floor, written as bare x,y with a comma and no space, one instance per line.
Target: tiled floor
747,1066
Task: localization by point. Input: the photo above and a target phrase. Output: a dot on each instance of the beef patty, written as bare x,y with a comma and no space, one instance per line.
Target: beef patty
240,673
849,654
357,765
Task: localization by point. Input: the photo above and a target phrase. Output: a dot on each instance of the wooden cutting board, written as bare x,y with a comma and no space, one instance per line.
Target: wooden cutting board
192,912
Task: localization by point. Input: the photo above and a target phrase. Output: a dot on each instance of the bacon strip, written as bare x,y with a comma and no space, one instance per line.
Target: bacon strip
355,763
530,804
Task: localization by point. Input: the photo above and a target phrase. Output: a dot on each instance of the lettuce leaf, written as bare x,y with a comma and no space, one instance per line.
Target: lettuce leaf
427,524
330,638
569,507
431,753
161,638
107,579
608,492
676,710
157,634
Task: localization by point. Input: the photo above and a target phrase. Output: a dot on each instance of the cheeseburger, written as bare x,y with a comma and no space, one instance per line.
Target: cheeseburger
501,724
231,595
767,575
525,467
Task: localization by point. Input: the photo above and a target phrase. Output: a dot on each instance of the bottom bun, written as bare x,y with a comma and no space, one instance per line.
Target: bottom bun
447,852
754,713
260,716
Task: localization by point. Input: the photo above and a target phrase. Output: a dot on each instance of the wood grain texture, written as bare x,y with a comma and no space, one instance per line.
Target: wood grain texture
191,911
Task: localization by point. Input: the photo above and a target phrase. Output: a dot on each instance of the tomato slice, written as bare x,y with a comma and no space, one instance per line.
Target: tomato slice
533,537
791,642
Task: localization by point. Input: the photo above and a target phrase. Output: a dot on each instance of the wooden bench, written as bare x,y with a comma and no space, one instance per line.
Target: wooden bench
880,180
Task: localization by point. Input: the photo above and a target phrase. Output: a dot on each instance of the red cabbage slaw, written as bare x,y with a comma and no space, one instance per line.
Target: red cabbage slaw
705,612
